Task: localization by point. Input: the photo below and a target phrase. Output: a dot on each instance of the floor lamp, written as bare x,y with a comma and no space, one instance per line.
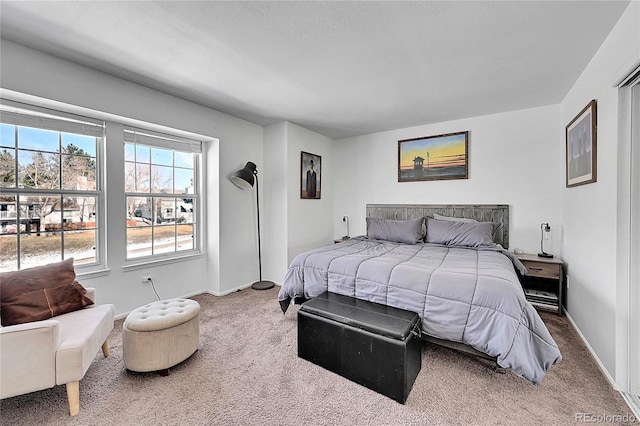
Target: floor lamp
244,179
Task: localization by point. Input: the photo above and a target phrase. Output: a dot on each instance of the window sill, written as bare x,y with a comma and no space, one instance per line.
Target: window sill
93,274
145,263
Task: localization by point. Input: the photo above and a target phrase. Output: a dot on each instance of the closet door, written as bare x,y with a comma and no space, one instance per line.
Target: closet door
634,278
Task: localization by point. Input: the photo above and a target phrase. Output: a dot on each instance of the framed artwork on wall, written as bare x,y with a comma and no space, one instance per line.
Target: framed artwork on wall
310,175
581,147
437,157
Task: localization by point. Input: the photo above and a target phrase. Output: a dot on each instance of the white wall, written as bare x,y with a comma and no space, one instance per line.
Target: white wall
309,222
293,225
241,142
276,213
589,212
514,158
35,73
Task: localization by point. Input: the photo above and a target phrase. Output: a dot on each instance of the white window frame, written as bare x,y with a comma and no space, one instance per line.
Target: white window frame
27,115
163,140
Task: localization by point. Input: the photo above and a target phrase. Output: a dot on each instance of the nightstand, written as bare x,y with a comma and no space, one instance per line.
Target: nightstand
543,282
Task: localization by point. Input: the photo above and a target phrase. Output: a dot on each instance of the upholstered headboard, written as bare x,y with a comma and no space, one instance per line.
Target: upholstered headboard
498,213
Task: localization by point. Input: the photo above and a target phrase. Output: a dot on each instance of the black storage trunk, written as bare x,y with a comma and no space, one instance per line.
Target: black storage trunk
371,344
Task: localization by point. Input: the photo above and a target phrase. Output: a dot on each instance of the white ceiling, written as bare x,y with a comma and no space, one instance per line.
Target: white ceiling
338,68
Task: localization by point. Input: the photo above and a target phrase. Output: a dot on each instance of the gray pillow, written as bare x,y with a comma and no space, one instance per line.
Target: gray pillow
463,234
400,231
454,219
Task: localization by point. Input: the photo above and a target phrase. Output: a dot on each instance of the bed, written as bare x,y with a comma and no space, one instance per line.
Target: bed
449,264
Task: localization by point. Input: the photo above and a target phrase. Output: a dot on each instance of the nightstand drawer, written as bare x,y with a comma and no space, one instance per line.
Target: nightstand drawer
544,281
542,270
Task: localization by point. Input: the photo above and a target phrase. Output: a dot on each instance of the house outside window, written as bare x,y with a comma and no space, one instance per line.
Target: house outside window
50,188
162,195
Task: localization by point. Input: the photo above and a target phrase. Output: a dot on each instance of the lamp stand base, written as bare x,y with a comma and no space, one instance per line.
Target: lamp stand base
543,254
262,285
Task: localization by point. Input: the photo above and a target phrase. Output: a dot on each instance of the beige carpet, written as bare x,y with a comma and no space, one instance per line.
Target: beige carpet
246,372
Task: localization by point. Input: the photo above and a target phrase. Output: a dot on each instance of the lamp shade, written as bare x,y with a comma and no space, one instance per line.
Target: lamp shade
244,178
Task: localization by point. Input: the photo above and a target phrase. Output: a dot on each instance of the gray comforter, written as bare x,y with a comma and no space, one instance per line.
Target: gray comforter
463,295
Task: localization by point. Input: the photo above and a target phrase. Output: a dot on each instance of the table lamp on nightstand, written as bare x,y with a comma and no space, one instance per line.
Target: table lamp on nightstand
545,234
346,220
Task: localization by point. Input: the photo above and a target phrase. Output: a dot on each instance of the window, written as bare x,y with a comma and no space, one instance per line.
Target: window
162,195
50,188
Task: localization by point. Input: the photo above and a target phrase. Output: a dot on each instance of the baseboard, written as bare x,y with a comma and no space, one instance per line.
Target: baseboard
214,293
632,400
184,296
195,293
233,290
226,292
612,382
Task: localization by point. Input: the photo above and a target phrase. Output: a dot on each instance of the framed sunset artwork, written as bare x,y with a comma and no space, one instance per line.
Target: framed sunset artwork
437,157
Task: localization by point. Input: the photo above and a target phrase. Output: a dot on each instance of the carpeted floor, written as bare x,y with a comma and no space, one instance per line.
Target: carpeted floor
246,372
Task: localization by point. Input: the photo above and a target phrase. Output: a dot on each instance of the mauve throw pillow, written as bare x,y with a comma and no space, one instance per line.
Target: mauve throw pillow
39,293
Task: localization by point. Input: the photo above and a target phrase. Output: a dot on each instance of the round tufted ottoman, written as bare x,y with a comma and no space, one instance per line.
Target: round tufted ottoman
160,335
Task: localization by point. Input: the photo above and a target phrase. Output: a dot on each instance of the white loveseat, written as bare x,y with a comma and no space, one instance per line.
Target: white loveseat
42,354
